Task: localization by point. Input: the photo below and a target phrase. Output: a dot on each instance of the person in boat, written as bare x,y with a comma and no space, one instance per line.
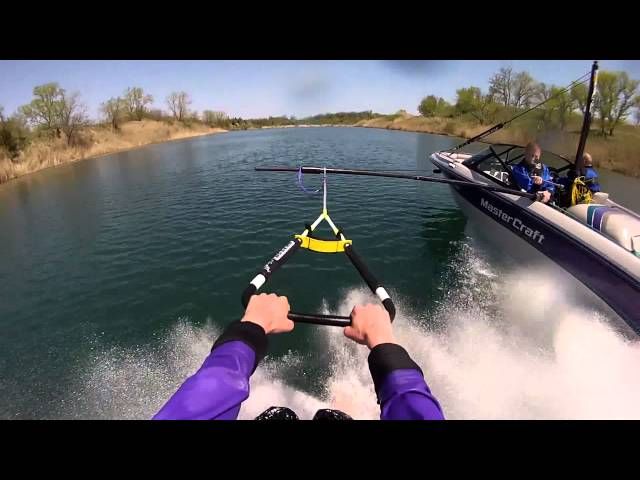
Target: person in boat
217,390
571,196
532,175
590,174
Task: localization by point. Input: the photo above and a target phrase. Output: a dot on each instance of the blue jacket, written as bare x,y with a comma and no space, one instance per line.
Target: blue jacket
217,390
590,173
523,179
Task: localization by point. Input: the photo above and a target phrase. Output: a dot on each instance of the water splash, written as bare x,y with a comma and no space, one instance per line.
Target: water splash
514,345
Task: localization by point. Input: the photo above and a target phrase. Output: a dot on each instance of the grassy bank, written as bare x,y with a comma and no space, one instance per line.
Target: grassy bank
620,153
95,141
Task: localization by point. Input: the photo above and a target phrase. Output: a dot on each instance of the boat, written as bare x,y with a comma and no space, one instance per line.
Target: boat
592,238
596,242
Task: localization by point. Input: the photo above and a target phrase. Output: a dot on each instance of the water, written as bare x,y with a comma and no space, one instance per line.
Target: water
116,275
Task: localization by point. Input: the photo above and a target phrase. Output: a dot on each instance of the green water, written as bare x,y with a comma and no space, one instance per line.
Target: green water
116,273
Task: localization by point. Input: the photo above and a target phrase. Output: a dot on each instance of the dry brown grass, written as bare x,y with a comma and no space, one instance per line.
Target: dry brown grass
96,141
620,153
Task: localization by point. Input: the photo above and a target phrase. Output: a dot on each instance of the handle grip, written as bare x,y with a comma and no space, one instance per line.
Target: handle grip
318,319
373,283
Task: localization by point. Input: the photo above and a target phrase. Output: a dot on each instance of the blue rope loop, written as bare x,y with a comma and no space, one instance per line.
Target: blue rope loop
302,187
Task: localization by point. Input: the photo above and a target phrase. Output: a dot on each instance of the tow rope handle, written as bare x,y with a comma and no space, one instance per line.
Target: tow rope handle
281,258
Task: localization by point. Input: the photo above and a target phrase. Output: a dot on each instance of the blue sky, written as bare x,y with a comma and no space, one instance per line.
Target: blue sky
257,88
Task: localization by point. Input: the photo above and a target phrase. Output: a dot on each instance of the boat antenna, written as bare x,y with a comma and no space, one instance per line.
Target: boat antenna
586,123
501,125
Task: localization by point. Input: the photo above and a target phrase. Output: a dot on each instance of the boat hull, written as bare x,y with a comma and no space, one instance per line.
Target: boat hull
526,237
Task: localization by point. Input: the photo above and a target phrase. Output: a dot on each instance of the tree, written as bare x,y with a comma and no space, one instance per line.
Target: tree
73,116
473,102
627,99
428,106
178,103
114,111
44,111
543,94
563,104
579,95
501,86
14,134
136,102
214,119
617,94
433,107
523,90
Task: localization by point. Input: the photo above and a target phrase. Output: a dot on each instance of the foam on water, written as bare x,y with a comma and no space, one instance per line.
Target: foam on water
498,346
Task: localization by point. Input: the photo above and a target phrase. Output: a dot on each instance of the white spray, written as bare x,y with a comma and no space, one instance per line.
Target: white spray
488,351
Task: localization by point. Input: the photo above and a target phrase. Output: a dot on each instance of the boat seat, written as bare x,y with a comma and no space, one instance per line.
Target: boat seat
500,175
616,224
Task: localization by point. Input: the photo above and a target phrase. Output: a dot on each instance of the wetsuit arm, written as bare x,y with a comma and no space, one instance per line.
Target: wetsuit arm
402,391
521,176
218,388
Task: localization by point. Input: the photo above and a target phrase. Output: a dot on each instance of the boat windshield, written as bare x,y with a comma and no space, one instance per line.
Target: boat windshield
496,161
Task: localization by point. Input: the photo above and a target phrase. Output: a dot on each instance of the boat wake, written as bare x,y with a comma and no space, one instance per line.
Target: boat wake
509,345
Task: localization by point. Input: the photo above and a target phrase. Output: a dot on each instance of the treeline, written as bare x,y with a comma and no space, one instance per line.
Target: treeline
339,118
55,114
511,92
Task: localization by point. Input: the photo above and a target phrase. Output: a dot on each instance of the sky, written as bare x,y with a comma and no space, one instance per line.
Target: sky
261,88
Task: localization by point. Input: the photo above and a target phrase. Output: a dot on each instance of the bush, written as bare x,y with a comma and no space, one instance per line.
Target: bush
14,136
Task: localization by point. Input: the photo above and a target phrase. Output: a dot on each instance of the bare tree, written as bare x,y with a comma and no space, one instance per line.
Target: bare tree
212,118
136,102
178,103
73,116
501,86
114,111
524,89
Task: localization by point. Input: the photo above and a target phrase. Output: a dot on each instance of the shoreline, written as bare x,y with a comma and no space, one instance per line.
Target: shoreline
612,154
180,136
403,124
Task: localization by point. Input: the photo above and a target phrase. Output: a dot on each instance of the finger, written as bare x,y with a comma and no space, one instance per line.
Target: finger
349,332
285,302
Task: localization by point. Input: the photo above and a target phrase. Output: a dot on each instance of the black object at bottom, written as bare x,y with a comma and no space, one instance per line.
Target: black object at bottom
327,414
278,413
284,413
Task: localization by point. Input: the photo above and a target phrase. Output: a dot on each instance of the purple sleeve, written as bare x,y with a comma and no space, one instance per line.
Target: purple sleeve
216,391
404,395
218,388
402,391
